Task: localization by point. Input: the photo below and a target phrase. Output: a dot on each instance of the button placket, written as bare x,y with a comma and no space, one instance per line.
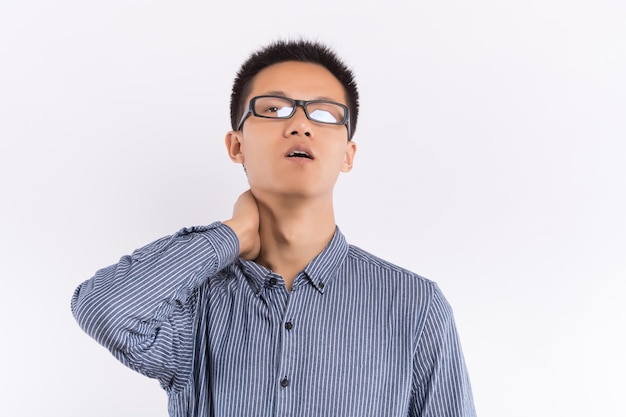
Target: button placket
289,348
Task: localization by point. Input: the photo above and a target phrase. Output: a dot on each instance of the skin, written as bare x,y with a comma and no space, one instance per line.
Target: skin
286,218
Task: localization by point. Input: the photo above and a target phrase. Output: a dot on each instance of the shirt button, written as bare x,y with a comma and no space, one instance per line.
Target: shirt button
321,285
273,281
284,382
289,325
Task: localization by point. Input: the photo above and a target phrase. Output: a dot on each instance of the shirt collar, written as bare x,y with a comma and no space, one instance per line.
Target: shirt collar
320,272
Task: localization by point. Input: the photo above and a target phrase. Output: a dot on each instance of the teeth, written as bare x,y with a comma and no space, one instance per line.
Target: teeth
299,153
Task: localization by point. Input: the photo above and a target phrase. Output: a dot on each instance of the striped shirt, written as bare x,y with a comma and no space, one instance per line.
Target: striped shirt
356,336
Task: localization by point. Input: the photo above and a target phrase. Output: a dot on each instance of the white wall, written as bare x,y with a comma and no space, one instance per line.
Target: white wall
491,160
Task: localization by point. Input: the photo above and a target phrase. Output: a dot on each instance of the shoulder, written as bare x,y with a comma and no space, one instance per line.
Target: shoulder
385,272
410,297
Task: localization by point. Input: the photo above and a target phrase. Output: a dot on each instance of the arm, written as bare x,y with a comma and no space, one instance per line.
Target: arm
142,308
441,386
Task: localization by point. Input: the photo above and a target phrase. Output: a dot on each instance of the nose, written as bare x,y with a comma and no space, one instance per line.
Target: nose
299,124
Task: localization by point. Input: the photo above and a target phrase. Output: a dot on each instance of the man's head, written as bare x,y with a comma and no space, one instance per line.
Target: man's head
290,109
298,51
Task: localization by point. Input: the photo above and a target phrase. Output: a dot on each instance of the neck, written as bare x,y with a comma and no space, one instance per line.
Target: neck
293,232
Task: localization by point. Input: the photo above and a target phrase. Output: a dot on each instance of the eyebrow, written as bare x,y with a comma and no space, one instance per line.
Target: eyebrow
282,93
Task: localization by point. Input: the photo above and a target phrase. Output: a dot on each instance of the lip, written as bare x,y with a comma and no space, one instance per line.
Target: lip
300,148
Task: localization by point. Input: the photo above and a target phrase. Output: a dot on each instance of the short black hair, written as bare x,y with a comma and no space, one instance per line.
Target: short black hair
300,50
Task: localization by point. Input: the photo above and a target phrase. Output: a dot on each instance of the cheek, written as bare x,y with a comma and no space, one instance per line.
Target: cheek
249,151
342,153
255,161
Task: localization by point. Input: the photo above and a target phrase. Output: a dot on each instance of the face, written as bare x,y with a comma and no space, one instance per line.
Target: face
295,156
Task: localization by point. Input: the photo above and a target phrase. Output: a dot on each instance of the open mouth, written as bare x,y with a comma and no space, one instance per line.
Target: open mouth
299,154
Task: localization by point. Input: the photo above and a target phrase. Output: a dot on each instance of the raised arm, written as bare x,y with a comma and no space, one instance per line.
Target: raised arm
142,308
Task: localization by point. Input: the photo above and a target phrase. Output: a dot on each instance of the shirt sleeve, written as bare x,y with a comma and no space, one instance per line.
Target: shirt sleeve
441,384
142,308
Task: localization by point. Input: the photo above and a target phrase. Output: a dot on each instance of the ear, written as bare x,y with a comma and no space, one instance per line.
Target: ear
233,146
349,157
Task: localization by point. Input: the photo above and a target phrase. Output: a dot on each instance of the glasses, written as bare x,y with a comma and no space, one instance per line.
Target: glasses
278,107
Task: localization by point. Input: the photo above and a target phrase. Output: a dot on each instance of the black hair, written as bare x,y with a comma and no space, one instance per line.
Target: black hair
292,50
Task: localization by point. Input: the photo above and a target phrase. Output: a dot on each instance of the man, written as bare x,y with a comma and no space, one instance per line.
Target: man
272,312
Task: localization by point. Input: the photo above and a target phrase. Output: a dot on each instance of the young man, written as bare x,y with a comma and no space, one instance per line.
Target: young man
272,312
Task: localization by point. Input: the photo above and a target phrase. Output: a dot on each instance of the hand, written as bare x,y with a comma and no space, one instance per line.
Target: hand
245,224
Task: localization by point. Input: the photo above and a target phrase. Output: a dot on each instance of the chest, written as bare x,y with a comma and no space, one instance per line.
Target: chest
310,353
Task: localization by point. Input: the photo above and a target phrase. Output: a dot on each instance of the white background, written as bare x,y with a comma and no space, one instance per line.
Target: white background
491,160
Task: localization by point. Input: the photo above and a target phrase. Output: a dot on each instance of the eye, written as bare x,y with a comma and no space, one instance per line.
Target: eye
326,111
324,116
273,107
278,111
273,111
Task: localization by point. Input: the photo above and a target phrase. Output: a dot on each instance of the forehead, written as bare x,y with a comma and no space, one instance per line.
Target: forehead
299,80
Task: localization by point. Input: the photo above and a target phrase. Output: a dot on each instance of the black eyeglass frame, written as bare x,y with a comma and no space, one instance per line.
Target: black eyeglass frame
296,103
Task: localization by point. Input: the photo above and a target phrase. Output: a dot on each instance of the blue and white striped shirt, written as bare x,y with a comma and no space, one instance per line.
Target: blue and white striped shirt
356,336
